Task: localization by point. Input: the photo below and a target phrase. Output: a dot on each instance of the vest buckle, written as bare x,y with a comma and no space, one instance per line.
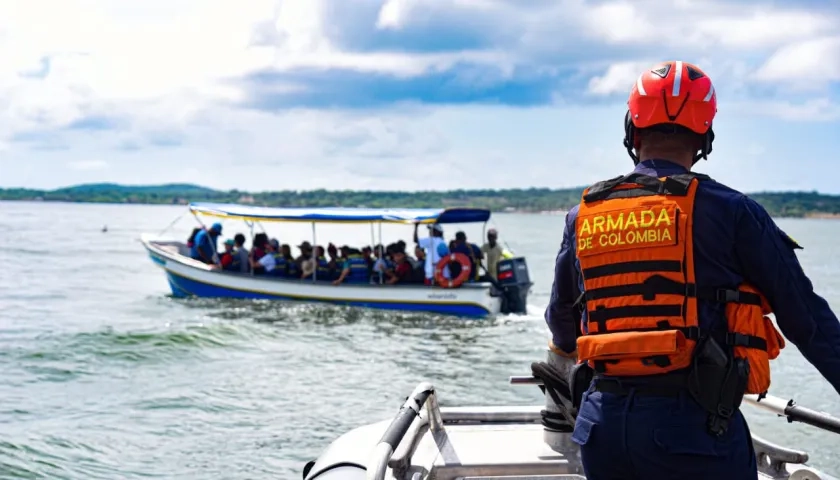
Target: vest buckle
725,295
736,339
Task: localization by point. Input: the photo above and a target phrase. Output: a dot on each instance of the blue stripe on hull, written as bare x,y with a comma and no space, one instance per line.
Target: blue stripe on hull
183,287
157,259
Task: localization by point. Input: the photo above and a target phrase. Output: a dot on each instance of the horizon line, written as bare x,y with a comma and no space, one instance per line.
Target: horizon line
403,192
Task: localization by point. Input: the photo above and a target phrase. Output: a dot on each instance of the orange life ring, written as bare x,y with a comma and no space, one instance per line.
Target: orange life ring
462,260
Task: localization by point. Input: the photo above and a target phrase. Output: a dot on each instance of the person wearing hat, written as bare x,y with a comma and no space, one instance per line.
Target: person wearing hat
306,261
430,245
228,260
204,249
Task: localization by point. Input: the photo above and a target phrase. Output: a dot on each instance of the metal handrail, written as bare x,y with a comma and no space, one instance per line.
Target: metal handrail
777,405
423,394
794,412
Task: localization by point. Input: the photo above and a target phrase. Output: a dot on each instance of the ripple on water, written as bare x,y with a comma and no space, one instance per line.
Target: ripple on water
103,375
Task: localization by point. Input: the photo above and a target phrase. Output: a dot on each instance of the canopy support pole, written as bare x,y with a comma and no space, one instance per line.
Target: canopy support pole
372,237
171,224
251,227
314,253
381,253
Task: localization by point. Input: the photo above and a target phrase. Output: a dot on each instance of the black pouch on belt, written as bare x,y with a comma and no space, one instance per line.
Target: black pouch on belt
579,381
717,382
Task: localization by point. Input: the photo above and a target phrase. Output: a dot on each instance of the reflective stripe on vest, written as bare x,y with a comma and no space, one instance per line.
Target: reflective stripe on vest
358,269
281,266
635,248
323,269
292,269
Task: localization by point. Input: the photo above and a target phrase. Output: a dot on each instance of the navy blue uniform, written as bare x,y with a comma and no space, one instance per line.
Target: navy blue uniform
735,241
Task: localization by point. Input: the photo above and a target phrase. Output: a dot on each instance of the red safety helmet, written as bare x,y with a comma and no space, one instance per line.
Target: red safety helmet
671,97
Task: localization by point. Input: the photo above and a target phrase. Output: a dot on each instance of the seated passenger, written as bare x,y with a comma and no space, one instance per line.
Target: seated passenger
266,264
241,253
204,245
355,268
258,246
286,266
401,273
229,259
322,266
382,265
418,271
367,254
472,251
410,259
305,261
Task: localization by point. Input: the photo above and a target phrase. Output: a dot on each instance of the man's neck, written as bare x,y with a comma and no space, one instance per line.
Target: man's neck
684,162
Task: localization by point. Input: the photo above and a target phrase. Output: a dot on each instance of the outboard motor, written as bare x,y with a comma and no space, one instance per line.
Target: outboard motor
515,283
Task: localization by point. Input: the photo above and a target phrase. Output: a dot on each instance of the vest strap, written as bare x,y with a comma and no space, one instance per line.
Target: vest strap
602,315
642,185
643,266
736,339
657,284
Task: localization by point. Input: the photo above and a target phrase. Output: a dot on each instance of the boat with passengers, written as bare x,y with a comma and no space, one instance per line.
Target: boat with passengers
507,293
425,441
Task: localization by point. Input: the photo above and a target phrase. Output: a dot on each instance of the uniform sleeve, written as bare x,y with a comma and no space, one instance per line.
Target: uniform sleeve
561,315
769,262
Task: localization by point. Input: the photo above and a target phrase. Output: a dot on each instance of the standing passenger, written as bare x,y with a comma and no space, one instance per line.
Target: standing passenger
204,248
494,253
430,245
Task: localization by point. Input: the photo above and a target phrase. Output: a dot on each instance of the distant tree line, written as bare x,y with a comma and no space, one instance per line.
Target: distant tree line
787,204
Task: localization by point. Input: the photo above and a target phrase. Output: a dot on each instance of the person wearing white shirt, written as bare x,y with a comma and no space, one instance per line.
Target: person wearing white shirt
267,262
430,244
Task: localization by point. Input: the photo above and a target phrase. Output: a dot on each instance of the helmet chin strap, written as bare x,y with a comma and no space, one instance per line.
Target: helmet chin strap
631,132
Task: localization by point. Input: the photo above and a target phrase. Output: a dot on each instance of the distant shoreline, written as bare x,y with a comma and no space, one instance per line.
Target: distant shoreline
544,201
556,213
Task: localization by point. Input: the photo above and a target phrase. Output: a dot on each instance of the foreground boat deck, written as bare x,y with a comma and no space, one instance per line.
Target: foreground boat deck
494,443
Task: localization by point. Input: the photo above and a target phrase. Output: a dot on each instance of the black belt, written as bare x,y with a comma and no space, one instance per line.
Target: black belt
666,385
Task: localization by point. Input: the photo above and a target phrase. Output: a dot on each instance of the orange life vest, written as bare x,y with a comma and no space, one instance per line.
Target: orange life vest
635,248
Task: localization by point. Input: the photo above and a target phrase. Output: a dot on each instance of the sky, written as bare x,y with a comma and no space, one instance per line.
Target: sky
403,94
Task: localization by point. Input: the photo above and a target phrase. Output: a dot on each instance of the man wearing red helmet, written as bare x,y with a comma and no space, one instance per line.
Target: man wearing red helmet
662,288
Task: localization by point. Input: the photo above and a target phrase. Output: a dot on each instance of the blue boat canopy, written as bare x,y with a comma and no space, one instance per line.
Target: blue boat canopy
342,215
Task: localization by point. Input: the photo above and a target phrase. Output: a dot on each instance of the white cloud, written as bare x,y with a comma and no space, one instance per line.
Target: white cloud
806,64
169,69
812,110
620,22
619,78
763,28
394,13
